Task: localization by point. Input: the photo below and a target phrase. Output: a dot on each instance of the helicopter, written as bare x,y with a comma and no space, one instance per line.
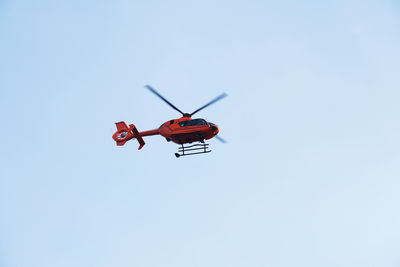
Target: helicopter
183,130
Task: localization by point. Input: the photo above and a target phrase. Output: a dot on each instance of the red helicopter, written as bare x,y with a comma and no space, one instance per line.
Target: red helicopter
184,130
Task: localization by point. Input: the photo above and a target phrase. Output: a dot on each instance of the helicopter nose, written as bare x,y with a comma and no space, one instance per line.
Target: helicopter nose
215,129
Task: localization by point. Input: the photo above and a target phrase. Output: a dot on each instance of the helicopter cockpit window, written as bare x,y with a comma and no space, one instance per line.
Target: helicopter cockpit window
194,122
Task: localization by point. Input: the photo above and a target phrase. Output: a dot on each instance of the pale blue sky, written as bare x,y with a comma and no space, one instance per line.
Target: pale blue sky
310,176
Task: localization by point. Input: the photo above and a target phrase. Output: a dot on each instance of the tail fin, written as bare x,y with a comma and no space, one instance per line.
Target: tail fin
124,134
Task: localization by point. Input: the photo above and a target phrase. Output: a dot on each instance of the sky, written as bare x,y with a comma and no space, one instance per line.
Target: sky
310,173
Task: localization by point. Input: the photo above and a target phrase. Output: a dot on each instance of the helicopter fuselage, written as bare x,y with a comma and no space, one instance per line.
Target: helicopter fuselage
186,130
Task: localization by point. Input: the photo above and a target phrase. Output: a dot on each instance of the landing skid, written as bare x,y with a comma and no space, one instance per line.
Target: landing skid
193,150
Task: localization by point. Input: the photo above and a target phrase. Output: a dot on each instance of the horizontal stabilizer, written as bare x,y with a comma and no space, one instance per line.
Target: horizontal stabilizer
137,136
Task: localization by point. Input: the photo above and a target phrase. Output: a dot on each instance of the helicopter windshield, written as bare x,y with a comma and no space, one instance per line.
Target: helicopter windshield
194,122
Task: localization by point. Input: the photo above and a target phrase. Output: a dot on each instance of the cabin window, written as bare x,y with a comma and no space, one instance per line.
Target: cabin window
194,122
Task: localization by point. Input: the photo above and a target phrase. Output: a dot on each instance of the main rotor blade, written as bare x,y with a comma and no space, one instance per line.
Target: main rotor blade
221,139
210,103
165,100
